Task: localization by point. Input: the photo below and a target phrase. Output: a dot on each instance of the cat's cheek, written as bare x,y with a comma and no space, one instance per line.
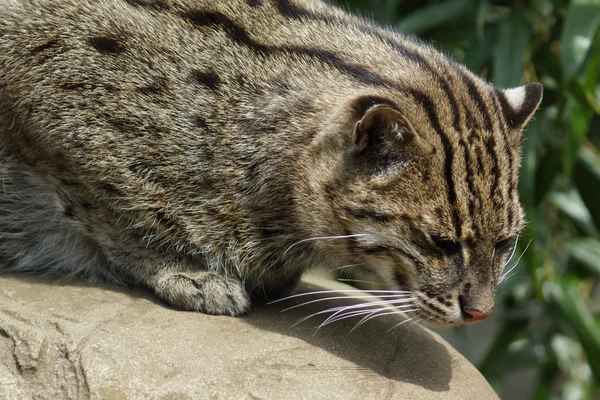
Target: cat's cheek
384,268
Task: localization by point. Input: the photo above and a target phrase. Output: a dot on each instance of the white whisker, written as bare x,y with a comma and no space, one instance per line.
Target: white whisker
323,238
343,267
415,320
369,304
340,291
344,316
401,323
513,252
377,314
504,275
341,313
339,309
362,312
400,296
510,276
329,310
368,317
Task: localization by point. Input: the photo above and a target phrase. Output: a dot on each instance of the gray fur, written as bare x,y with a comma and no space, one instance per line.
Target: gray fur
35,235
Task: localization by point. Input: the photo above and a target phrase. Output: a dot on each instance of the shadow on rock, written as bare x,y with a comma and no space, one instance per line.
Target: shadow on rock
408,353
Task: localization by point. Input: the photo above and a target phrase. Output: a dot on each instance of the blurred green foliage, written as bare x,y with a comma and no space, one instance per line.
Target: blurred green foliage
551,307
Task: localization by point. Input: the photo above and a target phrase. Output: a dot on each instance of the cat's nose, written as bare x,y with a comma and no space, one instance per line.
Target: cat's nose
471,315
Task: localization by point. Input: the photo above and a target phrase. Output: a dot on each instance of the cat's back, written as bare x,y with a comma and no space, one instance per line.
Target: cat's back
124,47
110,80
134,39
157,64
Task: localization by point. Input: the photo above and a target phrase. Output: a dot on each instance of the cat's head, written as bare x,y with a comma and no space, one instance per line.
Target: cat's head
427,199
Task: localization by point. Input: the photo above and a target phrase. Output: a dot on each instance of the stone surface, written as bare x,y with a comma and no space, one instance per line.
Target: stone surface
77,341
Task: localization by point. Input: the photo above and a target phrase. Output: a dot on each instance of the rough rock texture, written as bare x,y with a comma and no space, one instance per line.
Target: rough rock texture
73,340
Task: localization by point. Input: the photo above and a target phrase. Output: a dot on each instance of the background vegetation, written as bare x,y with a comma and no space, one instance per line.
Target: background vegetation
551,306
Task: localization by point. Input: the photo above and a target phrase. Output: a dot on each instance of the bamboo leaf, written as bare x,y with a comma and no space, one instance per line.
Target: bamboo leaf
479,53
512,47
579,125
543,389
571,204
549,167
434,15
587,180
580,27
586,250
573,310
509,332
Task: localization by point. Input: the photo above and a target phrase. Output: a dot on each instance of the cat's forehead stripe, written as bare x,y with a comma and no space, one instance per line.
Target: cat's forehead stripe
254,3
430,108
478,99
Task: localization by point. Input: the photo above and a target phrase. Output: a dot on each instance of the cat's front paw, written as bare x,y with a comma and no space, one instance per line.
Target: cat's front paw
203,291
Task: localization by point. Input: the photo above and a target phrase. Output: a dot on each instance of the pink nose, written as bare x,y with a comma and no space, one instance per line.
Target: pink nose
474,315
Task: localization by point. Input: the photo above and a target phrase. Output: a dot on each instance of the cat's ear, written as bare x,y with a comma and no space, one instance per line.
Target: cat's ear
382,125
520,103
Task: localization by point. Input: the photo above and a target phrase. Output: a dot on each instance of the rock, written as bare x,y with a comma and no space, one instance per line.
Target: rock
73,340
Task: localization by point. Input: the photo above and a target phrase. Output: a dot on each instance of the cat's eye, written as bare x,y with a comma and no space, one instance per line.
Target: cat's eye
504,244
449,247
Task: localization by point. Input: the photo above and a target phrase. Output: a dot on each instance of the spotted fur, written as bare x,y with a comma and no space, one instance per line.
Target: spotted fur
194,147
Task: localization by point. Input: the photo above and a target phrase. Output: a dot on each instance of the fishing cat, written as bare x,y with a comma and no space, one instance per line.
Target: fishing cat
214,150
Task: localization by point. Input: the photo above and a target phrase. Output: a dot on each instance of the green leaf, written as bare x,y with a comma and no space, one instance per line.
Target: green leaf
580,27
572,205
584,95
548,64
587,180
579,125
590,79
544,385
594,135
581,92
480,18
543,389
568,353
478,54
573,310
585,250
512,47
510,331
549,167
434,15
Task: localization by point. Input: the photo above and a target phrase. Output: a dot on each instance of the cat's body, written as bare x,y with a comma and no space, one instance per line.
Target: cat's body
193,146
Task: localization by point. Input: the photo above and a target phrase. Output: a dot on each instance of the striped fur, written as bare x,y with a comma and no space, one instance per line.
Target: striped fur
194,146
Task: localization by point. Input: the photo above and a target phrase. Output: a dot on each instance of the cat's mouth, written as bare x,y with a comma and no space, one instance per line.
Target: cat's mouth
439,310
435,311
